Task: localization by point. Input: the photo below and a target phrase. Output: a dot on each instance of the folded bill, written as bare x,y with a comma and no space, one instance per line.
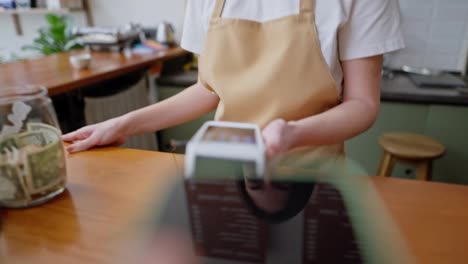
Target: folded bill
31,163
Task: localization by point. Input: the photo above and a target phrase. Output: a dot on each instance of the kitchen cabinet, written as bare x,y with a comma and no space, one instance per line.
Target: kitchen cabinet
447,124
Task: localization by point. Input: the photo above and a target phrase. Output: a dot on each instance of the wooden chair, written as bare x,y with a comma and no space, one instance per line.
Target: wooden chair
416,150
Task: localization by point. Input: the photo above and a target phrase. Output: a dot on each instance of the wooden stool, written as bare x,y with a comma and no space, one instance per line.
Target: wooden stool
414,149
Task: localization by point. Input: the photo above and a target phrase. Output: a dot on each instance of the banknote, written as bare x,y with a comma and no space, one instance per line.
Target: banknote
37,134
8,143
8,183
8,178
51,133
36,138
31,162
45,168
11,186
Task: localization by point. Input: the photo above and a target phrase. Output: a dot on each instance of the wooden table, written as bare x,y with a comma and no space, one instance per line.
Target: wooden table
56,73
108,187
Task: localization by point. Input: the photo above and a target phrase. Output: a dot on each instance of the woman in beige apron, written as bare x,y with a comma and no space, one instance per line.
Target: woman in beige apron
267,71
272,74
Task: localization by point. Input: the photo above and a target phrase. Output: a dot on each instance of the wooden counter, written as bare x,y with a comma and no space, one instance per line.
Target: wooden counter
108,187
56,73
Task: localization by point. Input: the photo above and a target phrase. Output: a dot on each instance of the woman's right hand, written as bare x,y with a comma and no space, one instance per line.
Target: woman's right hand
112,132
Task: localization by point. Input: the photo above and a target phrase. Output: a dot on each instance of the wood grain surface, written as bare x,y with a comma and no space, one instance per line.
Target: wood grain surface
109,188
411,146
58,76
431,216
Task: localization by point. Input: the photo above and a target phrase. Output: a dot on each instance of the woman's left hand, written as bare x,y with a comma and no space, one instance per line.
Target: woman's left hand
278,137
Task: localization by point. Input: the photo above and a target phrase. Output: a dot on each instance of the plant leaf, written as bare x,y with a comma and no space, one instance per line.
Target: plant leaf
54,38
52,19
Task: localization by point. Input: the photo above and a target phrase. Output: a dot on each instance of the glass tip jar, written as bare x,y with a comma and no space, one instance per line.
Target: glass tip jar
32,156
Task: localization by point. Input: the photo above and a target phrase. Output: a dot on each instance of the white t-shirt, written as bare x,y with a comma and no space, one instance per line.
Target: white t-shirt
348,29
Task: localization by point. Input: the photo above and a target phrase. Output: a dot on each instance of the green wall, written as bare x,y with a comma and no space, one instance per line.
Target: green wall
182,132
447,124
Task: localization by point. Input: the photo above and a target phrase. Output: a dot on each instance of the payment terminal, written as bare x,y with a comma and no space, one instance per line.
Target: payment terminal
228,144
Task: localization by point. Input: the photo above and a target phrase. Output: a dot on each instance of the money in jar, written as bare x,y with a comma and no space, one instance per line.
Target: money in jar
32,157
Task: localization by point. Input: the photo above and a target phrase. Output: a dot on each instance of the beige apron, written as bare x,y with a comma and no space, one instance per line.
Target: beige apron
270,70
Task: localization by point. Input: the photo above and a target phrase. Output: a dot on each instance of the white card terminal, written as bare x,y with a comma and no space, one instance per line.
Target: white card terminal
229,141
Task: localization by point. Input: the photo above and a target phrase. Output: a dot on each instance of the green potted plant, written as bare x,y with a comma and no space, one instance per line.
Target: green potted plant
56,37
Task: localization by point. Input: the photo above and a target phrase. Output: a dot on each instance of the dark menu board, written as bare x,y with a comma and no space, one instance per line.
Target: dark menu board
328,234
221,224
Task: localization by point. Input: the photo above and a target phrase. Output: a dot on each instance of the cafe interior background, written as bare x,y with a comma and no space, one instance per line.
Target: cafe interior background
436,33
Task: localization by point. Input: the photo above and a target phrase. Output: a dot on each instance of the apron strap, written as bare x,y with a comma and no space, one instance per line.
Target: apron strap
307,6
218,10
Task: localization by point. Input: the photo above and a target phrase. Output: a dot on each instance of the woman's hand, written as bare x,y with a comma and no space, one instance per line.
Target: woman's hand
108,133
183,107
278,137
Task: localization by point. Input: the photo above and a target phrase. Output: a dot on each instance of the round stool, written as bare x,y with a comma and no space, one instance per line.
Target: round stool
413,149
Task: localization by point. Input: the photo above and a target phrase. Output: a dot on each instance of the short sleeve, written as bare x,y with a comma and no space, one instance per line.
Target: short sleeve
372,28
195,26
